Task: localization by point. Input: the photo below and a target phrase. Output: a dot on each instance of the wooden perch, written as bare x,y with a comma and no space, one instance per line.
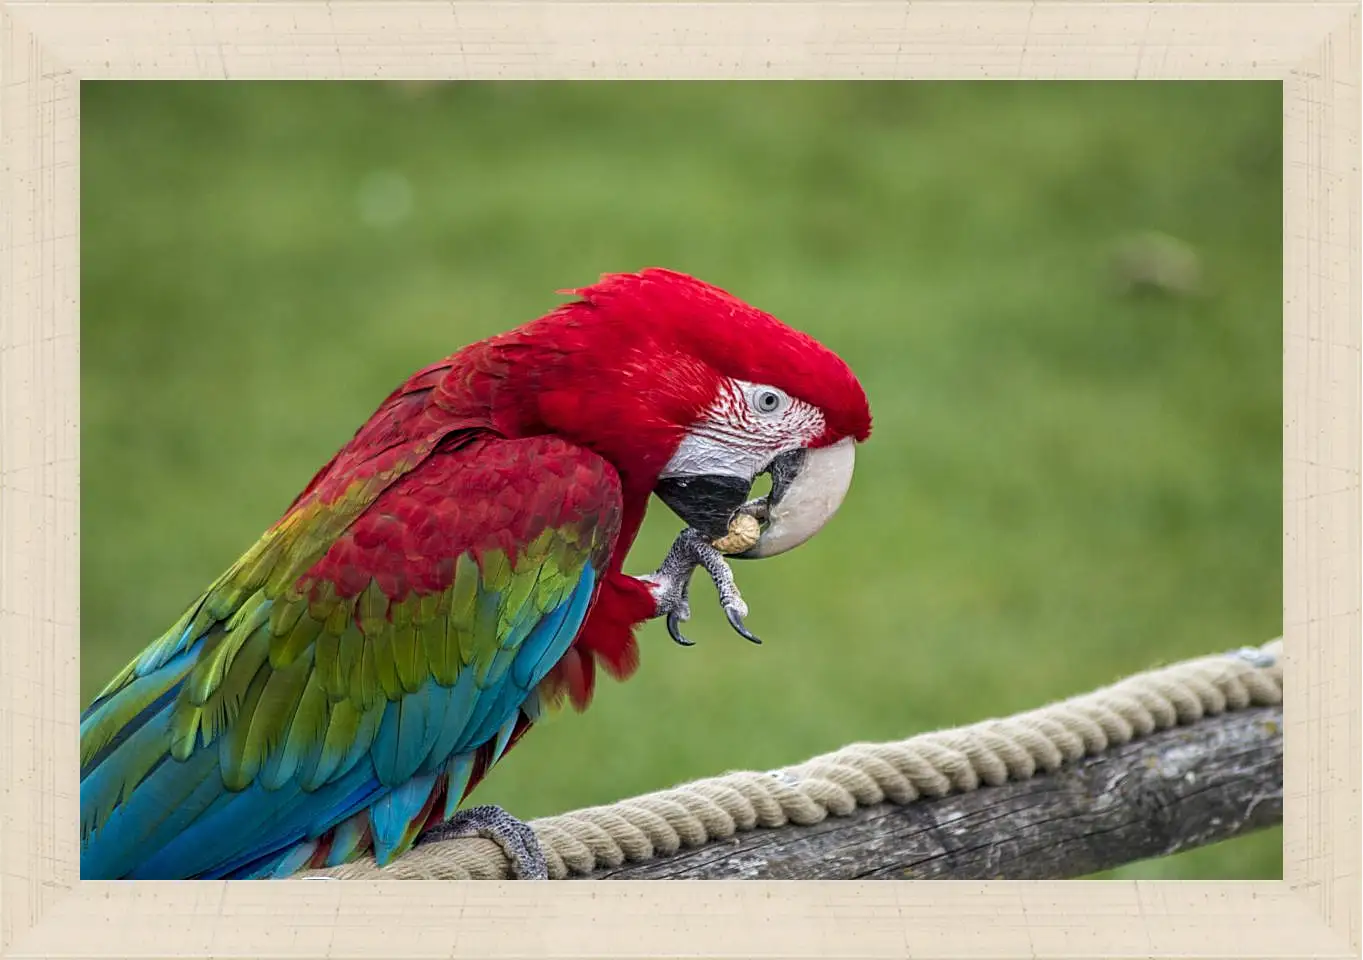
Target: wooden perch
1173,790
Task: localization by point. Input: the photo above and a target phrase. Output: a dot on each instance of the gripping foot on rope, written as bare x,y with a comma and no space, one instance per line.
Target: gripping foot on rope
515,837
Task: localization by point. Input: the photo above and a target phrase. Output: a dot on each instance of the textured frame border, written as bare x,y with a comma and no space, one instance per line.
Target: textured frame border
47,47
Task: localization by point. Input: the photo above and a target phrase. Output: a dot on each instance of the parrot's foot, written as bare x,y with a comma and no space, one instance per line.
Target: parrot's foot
515,837
673,579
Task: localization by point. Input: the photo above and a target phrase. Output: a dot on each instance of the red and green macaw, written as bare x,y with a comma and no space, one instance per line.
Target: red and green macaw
455,570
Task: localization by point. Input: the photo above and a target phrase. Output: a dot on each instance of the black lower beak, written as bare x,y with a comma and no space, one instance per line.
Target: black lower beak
705,503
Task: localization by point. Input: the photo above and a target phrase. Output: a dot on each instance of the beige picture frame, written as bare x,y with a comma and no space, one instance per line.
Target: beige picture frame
47,48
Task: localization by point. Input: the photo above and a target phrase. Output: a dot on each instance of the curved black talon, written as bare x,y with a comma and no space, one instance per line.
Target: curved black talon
674,628
736,622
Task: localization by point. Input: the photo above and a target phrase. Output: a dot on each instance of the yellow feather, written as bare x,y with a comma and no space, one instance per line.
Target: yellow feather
283,617
239,768
371,609
441,650
218,712
286,647
322,602
305,734
379,645
409,652
329,665
428,607
364,680
518,592
532,555
496,570
273,712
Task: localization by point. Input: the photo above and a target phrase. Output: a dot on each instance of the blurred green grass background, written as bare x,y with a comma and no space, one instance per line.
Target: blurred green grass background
1063,300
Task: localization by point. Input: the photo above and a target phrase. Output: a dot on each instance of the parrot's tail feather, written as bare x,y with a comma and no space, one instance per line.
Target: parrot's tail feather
387,823
396,818
349,839
211,848
162,804
276,865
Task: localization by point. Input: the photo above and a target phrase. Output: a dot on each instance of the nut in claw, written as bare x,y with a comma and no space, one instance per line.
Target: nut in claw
744,532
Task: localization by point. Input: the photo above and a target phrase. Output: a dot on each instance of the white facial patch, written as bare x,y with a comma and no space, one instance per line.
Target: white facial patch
747,425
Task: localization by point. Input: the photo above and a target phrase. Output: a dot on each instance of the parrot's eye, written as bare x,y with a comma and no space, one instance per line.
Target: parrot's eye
769,400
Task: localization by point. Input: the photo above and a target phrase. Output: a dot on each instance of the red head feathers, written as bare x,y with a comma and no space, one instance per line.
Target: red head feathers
638,359
688,317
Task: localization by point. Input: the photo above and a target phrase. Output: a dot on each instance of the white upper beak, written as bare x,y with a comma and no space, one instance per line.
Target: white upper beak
808,502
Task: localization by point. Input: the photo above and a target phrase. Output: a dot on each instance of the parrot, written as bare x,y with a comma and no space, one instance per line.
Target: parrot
454,573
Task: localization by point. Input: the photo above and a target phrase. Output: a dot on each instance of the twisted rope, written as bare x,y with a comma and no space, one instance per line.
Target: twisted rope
935,764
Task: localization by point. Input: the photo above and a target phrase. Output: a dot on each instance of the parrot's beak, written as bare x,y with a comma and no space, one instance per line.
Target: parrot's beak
807,487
